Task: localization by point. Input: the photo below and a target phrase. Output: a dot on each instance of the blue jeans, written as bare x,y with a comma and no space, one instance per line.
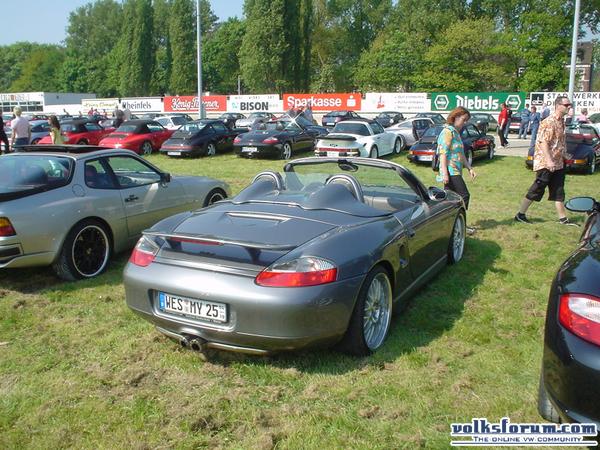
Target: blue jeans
20,142
534,131
523,129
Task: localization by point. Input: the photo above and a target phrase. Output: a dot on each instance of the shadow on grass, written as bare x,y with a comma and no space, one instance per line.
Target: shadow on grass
37,279
431,313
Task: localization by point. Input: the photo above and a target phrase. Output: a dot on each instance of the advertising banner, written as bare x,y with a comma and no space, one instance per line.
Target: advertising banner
396,101
476,101
189,103
101,104
22,97
589,100
323,102
249,103
142,104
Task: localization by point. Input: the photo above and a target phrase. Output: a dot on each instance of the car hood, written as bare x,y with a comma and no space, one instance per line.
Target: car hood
117,136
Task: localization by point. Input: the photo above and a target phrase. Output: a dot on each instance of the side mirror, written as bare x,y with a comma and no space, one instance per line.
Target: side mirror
165,177
581,204
437,194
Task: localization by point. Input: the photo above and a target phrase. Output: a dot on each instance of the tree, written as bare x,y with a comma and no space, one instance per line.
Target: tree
40,71
220,62
182,31
159,83
11,60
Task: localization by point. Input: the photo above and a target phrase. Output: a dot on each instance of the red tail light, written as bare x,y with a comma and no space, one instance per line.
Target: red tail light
237,140
306,271
144,252
580,314
6,228
271,140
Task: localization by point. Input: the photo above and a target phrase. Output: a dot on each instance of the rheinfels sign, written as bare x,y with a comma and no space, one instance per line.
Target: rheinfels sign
323,102
189,103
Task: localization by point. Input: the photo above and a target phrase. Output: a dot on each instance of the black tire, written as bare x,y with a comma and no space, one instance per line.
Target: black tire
591,168
214,196
35,141
354,341
491,150
374,153
398,145
82,142
85,252
545,406
456,245
211,150
146,148
286,151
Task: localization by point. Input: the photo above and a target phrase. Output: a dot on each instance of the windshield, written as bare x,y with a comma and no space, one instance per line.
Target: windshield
255,115
479,116
29,174
432,131
351,128
193,127
178,120
68,127
126,128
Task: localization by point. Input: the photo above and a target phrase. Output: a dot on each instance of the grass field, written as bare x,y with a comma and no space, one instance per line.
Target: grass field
79,370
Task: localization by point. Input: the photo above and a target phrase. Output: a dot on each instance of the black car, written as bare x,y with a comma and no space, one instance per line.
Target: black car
476,143
278,138
484,122
437,118
389,118
570,376
333,117
205,137
229,118
583,148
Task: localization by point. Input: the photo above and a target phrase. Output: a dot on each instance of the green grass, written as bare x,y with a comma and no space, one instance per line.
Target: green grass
79,370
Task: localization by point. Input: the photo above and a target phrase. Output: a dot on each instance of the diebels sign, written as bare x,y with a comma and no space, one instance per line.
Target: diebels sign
476,101
251,103
323,102
189,103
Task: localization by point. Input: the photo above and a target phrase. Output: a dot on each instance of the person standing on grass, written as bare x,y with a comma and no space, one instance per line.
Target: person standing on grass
534,125
502,124
452,156
548,164
21,131
524,126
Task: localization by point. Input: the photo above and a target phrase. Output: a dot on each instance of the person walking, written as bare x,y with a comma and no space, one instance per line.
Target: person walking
55,135
583,117
524,126
452,156
548,164
3,137
534,123
21,131
502,124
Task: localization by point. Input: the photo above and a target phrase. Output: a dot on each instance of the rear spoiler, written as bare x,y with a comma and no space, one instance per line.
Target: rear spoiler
339,137
208,239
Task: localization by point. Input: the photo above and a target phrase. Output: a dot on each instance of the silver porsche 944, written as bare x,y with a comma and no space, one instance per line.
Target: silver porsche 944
72,207
320,254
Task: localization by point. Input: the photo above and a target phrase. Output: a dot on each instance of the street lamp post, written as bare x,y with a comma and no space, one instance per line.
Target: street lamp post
574,52
199,59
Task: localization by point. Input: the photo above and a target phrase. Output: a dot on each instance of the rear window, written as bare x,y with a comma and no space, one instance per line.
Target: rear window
336,114
432,132
69,127
178,120
25,175
351,128
126,128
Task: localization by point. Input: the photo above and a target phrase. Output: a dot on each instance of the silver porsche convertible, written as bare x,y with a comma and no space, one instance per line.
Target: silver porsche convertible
72,207
320,254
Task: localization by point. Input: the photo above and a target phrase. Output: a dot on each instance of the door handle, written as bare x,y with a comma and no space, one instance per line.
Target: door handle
131,198
411,232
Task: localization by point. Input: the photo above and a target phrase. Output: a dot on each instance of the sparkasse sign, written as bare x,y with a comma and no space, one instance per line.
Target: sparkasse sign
476,101
323,102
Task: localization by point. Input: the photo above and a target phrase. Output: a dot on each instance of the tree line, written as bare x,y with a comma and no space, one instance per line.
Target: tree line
148,47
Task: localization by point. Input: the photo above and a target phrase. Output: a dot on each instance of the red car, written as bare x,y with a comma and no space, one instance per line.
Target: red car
80,132
142,136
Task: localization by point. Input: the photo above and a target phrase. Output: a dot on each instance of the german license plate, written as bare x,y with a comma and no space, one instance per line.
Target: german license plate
174,153
333,154
249,149
190,307
330,123
425,158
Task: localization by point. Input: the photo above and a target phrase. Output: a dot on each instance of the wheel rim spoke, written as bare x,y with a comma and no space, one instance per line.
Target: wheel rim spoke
377,308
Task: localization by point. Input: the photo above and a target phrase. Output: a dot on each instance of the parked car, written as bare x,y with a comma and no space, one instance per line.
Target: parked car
410,130
278,138
361,137
476,143
437,118
205,137
230,118
583,148
150,115
141,136
88,205
515,122
321,254
253,119
333,117
484,122
39,129
389,118
171,122
570,375
80,132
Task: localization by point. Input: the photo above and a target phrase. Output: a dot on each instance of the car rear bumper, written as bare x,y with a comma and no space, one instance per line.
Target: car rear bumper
258,150
181,151
420,157
571,373
259,319
12,257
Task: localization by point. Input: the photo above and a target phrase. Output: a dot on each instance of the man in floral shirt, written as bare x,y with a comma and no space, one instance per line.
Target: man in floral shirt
548,163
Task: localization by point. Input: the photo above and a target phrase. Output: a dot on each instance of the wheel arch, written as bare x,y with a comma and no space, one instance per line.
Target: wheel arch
109,230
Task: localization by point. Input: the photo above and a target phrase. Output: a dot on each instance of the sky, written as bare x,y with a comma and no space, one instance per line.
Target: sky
45,21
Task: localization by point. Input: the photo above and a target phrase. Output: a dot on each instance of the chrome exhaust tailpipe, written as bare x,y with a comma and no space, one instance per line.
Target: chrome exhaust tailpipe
184,342
198,344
